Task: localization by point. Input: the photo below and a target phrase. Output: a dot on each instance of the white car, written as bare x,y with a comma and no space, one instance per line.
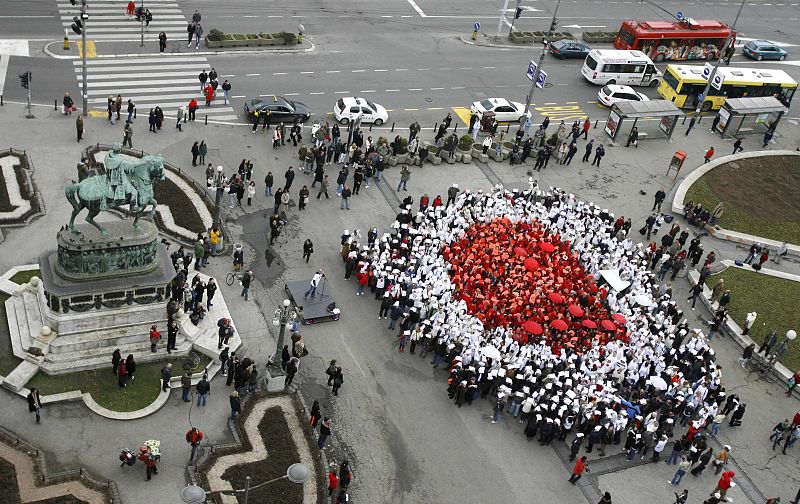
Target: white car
614,93
503,109
350,108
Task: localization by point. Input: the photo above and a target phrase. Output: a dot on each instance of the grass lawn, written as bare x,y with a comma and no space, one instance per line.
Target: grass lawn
772,298
761,196
23,277
7,359
140,392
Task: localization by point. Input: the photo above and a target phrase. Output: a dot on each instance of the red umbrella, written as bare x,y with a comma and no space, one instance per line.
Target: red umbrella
520,252
547,246
608,325
533,327
618,318
559,325
556,297
531,264
575,310
589,324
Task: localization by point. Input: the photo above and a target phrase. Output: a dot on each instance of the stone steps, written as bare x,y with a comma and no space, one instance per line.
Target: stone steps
17,379
34,313
18,328
127,335
63,363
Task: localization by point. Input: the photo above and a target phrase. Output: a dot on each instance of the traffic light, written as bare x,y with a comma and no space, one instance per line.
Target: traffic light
73,2
77,25
518,13
25,79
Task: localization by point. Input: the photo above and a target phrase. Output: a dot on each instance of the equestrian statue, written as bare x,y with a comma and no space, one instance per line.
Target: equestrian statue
126,182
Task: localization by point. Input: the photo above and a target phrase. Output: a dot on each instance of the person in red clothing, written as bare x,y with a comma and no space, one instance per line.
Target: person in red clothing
209,94
150,461
333,480
724,483
131,8
578,470
362,279
764,257
437,201
192,108
708,155
155,336
586,125
122,373
193,437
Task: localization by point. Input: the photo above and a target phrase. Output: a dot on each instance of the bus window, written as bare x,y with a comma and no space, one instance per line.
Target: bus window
627,37
612,68
735,91
671,81
591,63
786,96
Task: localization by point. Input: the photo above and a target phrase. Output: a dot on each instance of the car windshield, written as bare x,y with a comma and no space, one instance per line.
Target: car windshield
371,105
340,104
288,105
606,91
487,105
751,45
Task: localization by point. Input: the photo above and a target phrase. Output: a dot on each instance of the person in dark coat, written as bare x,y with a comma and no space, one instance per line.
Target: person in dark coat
291,370
736,418
338,380
130,365
289,175
308,249
236,404
115,358
166,375
35,404
285,357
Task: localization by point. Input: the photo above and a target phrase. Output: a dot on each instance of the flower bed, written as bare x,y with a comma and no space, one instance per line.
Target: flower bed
19,200
216,39
181,209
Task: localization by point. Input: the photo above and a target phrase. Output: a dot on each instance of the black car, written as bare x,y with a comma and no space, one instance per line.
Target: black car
282,110
566,48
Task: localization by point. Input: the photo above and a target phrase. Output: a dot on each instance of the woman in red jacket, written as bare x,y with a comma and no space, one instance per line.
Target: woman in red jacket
362,279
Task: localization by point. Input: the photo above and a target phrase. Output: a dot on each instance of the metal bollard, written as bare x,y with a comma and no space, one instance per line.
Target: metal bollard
456,128
435,126
684,120
370,126
206,121
595,122
1,100
55,104
508,127
392,126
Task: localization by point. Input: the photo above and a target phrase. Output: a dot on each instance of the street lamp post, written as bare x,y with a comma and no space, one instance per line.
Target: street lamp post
219,186
84,91
296,473
284,316
141,19
727,43
535,76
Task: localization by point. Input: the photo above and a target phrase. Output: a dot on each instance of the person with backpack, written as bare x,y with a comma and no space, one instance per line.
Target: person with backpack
291,370
194,436
203,389
338,380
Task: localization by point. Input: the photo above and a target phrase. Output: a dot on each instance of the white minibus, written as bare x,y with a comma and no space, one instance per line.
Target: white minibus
611,66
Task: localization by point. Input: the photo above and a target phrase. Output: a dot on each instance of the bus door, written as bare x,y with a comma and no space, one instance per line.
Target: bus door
649,71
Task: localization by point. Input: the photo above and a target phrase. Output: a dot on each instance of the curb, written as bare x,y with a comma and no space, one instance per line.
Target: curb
468,40
718,232
52,54
151,408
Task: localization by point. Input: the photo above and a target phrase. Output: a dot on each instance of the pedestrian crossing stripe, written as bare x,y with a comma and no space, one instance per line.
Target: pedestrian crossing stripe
91,50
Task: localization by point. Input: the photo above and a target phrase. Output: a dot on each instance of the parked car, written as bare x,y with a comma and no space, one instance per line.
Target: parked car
349,108
614,93
282,110
567,48
764,49
503,109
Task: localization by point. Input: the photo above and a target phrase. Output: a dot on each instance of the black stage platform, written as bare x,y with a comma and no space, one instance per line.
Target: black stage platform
315,310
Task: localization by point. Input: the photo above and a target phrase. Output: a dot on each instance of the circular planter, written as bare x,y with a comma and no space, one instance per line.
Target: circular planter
466,158
477,150
435,160
459,155
392,161
401,158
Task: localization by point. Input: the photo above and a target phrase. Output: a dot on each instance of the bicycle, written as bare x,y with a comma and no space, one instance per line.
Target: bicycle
233,276
191,362
764,367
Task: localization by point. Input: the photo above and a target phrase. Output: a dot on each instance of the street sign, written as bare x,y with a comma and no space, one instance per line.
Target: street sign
531,70
476,26
540,78
679,15
707,69
717,81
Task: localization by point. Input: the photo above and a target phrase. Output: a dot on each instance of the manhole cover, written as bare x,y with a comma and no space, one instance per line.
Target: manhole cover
548,84
428,99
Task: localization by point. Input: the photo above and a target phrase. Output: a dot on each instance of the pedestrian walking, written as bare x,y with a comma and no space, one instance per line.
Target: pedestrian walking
131,111
324,432
180,114
226,90
588,151
203,389
338,380
245,281
680,498
708,155
767,138
308,249
186,386
714,123
193,436
346,193
79,126
633,138
236,404
598,155
289,177
578,469
683,466
315,417
68,104
150,460
162,42
723,485
452,194
405,176
333,478
721,460
198,34
35,404
323,187
166,375
127,136
737,146
696,290
691,124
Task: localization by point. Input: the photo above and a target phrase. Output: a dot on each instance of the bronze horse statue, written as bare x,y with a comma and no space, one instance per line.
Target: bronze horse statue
124,183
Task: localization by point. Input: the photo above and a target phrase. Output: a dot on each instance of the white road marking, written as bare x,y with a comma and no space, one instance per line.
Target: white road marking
306,73
391,90
416,8
356,71
380,70
278,73
318,93
3,69
367,91
351,353
415,89
252,75
333,71
341,92
401,69
436,88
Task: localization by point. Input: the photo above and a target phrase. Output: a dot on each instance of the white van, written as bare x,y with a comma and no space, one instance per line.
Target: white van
611,66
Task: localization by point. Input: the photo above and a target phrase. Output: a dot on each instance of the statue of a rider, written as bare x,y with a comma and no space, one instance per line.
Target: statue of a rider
118,181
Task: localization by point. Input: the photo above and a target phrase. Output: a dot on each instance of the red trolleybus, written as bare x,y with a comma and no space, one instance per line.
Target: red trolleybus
687,39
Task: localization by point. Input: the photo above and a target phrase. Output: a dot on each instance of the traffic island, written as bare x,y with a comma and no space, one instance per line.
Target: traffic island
758,192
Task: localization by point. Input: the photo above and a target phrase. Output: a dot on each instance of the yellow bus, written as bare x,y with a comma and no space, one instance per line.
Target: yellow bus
683,85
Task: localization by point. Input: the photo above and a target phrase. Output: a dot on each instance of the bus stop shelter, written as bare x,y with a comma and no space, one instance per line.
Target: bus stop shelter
750,115
665,111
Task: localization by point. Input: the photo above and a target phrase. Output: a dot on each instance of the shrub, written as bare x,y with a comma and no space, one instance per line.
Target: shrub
287,37
403,146
465,142
252,36
239,36
553,140
215,35
382,140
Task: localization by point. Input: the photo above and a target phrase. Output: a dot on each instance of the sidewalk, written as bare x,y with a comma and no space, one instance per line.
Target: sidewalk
361,432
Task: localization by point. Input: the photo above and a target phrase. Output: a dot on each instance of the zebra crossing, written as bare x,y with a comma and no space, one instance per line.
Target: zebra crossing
166,80
108,20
